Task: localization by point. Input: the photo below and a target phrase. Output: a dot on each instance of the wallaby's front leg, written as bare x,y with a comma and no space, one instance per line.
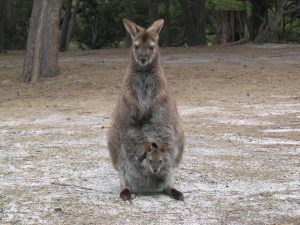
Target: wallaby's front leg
174,193
158,101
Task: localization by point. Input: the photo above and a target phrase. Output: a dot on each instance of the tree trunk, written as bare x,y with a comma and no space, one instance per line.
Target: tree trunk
259,17
168,29
128,7
188,23
231,26
65,26
194,21
43,41
153,10
200,22
274,25
72,22
3,25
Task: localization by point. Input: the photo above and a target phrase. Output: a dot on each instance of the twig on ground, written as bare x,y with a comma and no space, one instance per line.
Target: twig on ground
72,185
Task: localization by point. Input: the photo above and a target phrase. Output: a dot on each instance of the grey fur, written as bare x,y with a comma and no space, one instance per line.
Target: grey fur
143,85
146,109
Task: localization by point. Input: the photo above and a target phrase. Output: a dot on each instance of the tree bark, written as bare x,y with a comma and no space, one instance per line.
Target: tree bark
274,25
168,29
128,7
72,22
65,26
3,25
43,41
188,23
194,21
231,26
258,18
153,10
200,22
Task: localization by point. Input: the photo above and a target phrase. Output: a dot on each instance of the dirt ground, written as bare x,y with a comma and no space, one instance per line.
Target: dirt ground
240,107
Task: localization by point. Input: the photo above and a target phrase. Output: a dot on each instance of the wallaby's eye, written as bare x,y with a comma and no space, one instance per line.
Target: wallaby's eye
151,48
136,47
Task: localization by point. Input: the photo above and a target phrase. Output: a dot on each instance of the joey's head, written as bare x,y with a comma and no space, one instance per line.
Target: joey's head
144,41
155,156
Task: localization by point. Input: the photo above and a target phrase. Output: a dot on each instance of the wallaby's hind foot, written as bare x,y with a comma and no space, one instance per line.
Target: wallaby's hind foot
125,194
176,194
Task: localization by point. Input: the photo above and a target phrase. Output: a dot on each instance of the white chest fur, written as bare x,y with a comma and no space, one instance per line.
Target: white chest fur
143,85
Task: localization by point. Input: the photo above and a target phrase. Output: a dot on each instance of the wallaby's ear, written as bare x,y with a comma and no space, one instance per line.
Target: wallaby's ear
147,146
156,26
163,147
132,28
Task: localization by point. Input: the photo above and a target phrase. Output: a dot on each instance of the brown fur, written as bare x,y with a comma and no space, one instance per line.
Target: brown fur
142,111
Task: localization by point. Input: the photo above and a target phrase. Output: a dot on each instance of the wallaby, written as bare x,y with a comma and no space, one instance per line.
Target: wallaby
155,156
146,108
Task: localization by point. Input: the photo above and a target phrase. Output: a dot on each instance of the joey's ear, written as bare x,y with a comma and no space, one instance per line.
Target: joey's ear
156,26
147,146
163,147
132,28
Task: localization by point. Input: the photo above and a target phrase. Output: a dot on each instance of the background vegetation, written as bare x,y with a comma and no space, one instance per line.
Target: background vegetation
94,24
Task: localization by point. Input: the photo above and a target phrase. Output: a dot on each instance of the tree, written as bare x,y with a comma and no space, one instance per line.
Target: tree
199,20
194,21
43,41
71,10
75,10
14,15
3,25
259,16
99,24
128,8
153,10
232,25
65,26
267,29
167,30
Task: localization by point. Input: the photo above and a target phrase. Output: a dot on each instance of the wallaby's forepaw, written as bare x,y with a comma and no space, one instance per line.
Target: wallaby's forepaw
142,117
176,194
125,194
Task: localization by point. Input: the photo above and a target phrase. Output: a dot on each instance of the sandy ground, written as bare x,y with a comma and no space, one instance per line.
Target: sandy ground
240,107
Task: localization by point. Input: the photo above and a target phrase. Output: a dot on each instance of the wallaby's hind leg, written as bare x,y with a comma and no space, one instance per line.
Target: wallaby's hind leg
125,194
174,193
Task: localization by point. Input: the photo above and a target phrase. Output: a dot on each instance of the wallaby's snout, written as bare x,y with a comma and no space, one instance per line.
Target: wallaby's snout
144,41
143,60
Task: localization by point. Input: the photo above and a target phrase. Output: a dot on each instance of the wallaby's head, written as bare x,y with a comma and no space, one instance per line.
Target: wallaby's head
144,41
155,156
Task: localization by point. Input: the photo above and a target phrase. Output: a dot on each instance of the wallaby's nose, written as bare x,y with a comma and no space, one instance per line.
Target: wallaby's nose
155,170
143,60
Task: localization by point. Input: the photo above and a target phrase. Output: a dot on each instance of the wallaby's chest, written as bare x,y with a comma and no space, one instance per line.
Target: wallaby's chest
143,86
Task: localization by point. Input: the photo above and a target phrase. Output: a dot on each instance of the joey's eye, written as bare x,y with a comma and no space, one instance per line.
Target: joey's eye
151,48
136,47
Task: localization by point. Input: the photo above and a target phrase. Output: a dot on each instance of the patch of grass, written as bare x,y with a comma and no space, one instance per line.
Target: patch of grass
75,46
